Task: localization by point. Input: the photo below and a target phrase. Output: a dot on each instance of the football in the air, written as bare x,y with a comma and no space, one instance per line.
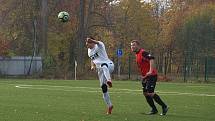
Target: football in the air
63,16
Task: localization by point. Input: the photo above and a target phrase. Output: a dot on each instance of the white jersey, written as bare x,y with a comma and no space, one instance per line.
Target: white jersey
98,54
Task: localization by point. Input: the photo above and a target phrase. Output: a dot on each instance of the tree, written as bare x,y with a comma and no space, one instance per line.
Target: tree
187,29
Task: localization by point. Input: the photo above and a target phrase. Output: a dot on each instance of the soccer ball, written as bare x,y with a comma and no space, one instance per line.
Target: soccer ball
63,16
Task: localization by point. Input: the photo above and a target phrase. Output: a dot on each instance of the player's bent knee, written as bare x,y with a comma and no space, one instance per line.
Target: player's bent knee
104,88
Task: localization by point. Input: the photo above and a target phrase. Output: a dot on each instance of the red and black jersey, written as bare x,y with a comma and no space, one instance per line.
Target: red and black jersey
143,62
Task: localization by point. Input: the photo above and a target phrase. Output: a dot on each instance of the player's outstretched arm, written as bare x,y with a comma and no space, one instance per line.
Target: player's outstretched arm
90,40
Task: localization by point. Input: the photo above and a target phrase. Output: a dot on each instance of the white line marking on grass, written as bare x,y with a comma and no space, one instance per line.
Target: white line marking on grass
197,86
181,93
112,90
49,86
55,89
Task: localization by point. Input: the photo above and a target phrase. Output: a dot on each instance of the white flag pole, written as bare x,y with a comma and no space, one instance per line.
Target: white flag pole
76,64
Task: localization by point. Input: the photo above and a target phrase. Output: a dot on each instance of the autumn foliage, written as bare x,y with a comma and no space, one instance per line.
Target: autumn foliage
168,29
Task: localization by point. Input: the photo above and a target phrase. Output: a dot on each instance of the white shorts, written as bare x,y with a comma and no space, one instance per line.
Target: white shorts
102,78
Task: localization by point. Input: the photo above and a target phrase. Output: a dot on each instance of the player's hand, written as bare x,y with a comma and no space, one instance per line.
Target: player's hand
143,78
148,73
93,68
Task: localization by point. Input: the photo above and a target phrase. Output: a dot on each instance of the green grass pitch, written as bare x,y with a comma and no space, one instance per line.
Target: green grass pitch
68,100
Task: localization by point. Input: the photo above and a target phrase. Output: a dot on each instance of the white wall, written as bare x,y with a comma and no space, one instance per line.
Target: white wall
20,65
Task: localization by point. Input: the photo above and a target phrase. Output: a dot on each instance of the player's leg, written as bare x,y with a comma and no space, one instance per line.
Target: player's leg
161,103
104,87
106,97
107,69
149,99
156,97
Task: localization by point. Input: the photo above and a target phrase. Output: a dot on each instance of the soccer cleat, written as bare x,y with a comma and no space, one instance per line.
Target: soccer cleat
109,111
153,112
109,83
165,109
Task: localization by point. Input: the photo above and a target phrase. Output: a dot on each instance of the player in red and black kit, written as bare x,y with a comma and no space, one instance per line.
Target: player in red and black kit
145,62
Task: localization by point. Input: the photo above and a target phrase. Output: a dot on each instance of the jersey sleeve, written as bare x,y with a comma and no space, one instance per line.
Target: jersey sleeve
101,44
148,55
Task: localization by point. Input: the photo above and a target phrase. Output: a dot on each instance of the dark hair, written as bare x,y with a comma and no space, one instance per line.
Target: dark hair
91,37
136,41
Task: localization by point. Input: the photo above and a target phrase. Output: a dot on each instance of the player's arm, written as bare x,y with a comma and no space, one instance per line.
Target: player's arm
151,61
151,65
90,40
93,67
99,43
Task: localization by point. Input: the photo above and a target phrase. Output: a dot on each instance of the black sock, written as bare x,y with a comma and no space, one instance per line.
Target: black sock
151,103
159,101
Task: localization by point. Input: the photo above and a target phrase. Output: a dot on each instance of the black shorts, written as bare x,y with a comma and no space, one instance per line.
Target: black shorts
149,83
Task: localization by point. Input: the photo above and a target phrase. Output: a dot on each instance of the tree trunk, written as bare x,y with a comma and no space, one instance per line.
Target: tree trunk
89,17
81,36
44,17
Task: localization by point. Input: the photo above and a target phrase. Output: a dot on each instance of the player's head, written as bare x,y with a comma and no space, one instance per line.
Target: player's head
89,43
135,45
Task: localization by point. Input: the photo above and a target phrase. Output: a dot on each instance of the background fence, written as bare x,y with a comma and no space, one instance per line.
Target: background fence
186,69
200,69
20,65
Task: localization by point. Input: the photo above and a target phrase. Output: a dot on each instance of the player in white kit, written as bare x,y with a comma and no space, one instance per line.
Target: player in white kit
104,66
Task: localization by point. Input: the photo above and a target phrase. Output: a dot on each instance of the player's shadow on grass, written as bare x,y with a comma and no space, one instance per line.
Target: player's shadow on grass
149,114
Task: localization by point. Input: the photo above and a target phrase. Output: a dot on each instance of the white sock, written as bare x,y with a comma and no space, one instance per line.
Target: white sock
107,99
106,73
